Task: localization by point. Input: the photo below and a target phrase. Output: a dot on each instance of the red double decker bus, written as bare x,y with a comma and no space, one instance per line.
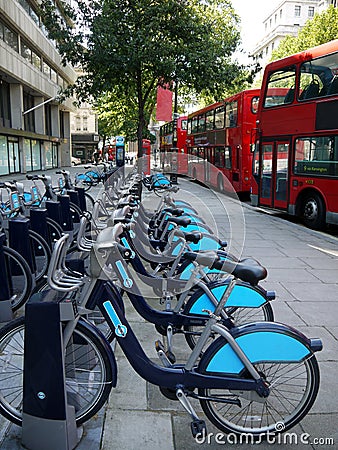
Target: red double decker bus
219,141
174,159
295,165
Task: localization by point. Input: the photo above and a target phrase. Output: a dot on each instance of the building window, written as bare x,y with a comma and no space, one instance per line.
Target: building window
311,11
3,156
36,60
53,75
9,36
32,152
78,123
280,13
85,123
297,11
26,52
275,18
270,21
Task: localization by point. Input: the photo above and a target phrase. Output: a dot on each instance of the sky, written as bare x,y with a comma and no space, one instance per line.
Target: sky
252,14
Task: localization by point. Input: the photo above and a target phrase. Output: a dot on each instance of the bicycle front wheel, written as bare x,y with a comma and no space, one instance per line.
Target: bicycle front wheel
87,367
293,389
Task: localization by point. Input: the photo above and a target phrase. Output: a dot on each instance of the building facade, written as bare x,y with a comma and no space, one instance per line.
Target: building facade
287,18
34,126
84,132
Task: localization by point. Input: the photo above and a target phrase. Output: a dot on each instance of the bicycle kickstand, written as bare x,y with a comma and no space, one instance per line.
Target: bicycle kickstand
197,425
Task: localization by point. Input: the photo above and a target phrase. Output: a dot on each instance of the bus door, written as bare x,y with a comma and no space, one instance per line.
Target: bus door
207,163
274,174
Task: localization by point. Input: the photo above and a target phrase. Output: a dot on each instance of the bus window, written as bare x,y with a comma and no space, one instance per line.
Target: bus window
184,124
189,126
201,123
194,124
254,105
316,156
209,120
219,117
223,157
310,85
231,115
321,71
286,79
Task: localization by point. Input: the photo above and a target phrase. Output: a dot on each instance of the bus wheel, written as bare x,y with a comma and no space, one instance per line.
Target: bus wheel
313,211
220,184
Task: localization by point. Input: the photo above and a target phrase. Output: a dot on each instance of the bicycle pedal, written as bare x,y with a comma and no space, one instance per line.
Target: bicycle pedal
170,356
159,346
197,427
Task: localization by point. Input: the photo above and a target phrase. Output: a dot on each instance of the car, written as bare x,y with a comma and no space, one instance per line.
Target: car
75,161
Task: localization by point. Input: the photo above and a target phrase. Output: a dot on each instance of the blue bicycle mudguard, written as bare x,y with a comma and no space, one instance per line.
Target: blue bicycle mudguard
85,178
186,272
161,183
243,296
206,243
193,227
92,174
261,342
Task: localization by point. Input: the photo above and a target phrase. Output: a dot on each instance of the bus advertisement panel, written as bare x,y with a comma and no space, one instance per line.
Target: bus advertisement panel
295,165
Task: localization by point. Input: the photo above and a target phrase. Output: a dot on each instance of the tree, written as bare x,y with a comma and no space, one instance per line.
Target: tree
321,29
131,46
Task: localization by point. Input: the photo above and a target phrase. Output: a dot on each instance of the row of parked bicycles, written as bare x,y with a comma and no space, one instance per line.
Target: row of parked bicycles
249,373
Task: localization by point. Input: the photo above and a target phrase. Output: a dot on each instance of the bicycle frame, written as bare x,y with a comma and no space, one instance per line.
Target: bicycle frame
170,377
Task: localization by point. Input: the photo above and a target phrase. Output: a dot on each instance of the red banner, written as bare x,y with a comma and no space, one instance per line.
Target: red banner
164,108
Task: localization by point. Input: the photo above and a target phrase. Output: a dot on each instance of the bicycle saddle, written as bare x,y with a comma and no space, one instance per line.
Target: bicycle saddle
181,221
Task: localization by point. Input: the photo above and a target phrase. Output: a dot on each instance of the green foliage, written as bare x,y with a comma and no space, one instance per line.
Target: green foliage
126,46
321,29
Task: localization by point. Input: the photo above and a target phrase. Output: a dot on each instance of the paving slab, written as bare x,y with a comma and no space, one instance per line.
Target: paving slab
142,430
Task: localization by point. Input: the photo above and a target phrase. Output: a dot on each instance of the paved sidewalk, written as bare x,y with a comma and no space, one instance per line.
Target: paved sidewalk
303,270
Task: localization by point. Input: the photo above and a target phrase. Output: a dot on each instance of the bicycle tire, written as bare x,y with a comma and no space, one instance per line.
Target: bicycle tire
21,278
84,182
54,231
41,254
89,202
88,383
293,387
76,212
240,316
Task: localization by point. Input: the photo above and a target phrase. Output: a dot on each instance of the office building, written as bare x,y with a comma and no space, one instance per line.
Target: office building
34,126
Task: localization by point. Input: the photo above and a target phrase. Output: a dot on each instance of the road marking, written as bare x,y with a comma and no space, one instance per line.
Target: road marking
324,250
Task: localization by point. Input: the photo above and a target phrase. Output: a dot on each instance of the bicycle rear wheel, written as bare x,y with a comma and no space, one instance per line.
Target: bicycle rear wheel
41,254
293,389
19,276
87,367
